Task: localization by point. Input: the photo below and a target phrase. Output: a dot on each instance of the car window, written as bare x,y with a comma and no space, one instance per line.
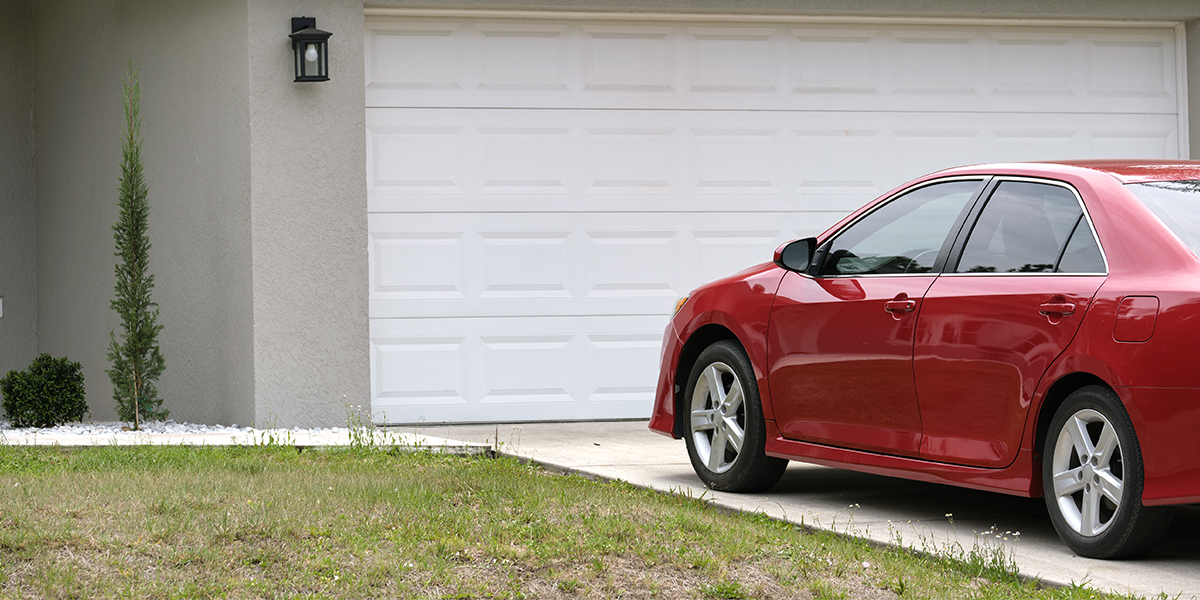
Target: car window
1022,229
1082,255
902,236
1177,205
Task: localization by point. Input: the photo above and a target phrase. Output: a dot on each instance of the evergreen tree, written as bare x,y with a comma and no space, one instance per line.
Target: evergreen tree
136,360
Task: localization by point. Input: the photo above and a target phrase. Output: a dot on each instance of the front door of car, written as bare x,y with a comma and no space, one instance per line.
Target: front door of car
1009,303
840,340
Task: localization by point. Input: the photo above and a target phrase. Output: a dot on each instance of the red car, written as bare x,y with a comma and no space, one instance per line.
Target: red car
1030,329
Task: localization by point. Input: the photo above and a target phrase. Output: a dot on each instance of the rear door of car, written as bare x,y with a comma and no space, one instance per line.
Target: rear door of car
1010,300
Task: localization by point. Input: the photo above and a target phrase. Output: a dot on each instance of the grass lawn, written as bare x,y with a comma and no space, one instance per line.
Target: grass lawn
271,522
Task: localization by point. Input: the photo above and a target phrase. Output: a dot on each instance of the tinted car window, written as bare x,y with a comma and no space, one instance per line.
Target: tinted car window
1022,229
1177,205
1082,254
902,236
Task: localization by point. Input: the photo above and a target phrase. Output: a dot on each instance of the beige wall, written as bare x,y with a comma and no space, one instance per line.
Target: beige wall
18,210
194,86
309,218
257,193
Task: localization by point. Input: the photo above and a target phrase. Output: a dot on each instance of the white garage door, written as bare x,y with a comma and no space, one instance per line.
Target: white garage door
541,191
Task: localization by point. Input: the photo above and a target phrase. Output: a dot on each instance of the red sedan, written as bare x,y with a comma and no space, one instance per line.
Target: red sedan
1022,328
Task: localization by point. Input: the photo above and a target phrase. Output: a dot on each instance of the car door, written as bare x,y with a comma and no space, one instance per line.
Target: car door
1009,303
840,342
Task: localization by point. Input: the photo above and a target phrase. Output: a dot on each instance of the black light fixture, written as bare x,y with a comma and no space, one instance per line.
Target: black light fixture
311,47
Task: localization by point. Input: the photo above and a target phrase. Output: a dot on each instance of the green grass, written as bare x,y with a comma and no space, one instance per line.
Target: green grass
271,522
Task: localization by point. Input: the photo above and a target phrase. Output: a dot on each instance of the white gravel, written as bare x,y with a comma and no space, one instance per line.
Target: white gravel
170,432
168,427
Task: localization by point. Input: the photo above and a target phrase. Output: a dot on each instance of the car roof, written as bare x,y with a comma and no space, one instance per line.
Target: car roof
1134,171
1125,171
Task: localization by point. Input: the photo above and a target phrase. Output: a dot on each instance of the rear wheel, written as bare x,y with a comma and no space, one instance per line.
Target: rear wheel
726,437
1092,476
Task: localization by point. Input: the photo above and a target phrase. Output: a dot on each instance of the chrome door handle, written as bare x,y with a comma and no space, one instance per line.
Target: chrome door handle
1064,309
900,305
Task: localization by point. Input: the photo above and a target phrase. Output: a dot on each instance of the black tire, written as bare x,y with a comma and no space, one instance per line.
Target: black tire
1097,508
715,416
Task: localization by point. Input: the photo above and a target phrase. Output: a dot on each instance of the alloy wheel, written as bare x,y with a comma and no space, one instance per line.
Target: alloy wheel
1088,472
718,417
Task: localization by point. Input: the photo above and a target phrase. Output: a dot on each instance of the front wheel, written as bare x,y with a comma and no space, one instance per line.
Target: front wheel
1092,476
726,438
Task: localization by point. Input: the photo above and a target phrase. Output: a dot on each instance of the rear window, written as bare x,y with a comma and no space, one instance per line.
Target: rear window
1177,205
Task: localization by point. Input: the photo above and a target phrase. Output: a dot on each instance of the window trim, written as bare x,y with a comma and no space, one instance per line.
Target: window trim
981,204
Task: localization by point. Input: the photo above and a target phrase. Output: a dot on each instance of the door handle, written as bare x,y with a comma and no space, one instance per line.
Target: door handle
900,305
1061,308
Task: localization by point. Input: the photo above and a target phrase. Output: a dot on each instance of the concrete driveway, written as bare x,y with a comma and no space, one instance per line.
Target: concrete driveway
919,515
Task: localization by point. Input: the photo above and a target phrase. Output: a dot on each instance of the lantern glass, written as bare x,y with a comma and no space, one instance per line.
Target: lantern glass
312,61
310,49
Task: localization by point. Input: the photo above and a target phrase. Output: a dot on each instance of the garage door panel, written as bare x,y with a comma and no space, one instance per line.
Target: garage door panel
418,369
527,264
488,369
1038,144
938,62
548,64
537,368
742,60
1131,65
634,59
579,264
389,41
524,160
839,61
1147,142
419,265
632,264
1036,63
523,57
416,159
684,161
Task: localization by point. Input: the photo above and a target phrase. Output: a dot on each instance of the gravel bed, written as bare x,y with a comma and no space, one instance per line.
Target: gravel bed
163,427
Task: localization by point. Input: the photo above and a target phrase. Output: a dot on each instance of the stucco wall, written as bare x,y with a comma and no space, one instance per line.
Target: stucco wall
309,218
1163,10
18,210
194,87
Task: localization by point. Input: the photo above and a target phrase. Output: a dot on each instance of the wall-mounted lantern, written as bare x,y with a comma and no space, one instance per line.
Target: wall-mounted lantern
311,47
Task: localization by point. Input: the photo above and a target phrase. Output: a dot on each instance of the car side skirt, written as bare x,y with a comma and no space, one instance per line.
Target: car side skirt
1016,479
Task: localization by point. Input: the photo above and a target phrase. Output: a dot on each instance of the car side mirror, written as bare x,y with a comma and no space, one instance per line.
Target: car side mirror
796,255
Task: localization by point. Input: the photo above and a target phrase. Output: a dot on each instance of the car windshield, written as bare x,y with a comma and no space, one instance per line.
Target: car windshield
1177,205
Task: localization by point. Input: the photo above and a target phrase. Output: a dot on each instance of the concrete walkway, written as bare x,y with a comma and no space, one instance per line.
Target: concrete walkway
919,515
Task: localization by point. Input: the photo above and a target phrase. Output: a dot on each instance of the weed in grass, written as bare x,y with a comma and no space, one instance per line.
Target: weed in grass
270,434
361,425
823,590
569,586
724,590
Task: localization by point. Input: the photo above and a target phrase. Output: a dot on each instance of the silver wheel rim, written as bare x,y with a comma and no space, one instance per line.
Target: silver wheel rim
718,417
1088,473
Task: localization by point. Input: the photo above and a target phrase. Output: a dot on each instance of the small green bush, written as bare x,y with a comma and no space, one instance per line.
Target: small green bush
48,393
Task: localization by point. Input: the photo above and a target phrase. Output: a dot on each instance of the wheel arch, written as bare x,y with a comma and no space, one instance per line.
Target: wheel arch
1054,398
700,339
